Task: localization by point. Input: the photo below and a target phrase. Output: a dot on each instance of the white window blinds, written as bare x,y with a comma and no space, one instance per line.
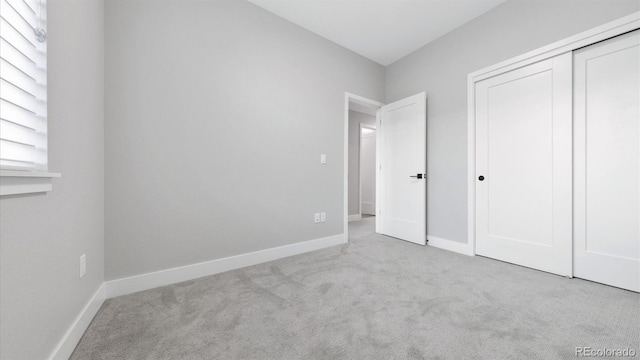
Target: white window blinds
23,85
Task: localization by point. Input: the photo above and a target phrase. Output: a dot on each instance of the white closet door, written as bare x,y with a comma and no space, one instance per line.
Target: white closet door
607,162
523,166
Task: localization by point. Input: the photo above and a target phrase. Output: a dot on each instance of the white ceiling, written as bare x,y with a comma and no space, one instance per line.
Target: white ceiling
381,30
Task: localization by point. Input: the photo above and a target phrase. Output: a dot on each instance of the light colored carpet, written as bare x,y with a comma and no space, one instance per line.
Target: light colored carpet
374,298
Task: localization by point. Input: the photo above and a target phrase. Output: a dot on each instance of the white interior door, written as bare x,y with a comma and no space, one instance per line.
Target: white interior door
607,162
523,166
367,170
402,195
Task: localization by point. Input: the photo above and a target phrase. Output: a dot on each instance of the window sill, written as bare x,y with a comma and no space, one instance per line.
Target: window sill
25,182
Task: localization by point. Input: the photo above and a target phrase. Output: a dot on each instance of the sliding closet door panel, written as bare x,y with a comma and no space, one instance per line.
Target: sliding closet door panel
607,162
523,127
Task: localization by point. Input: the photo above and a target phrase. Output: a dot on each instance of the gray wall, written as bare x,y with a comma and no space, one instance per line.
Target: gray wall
441,67
216,115
355,118
43,236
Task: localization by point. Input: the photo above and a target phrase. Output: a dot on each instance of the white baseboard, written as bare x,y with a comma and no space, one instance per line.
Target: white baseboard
188,272
368,208
450,245
70,340
355,217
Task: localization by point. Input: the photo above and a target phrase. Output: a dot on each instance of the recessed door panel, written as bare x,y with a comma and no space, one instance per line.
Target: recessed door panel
520,153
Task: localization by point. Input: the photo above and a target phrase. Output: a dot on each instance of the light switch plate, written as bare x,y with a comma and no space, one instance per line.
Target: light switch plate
323,158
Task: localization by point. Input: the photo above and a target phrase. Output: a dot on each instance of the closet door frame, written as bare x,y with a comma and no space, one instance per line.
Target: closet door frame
603,32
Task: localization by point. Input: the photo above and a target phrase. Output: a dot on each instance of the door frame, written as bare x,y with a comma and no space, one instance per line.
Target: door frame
354,99
374,128
586,38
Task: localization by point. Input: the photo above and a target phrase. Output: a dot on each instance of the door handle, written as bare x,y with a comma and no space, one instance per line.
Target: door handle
481,178
419,176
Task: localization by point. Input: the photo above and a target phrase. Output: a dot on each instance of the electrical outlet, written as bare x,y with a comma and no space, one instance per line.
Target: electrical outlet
316,218
323,217
83,264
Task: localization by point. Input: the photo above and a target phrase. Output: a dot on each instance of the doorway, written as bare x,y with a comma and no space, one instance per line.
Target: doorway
362,152
400,165
360,115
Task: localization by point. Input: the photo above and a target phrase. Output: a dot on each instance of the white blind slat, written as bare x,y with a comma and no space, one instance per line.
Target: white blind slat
19,44
23,12
12,151
31,6
17,115
22,99
16,124
17,29
19,134
11,60
34,5
14,165
22,81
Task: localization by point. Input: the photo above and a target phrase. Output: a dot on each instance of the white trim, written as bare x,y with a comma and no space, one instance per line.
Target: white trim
450,245
70,340
18,173
355,217
586,38
357,99
155,279
471,164
13,186
14,182
378,167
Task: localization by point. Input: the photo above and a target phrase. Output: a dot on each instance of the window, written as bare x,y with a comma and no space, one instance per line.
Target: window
23,98
23,85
